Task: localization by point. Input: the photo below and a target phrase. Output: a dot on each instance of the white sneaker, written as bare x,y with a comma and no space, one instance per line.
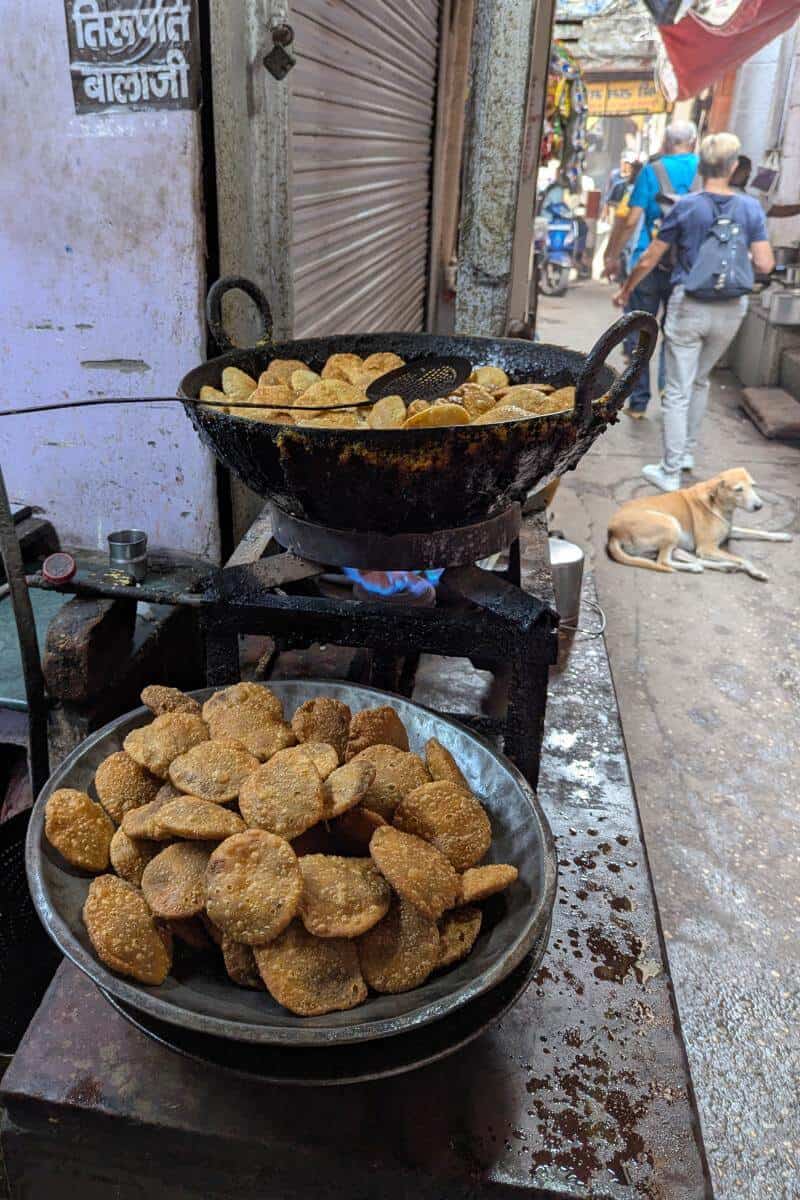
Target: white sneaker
687,462
666,481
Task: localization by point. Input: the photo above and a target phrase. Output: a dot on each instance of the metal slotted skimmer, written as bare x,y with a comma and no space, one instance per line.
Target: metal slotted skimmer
426,379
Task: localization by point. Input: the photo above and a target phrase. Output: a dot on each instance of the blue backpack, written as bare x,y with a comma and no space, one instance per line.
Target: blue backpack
722,270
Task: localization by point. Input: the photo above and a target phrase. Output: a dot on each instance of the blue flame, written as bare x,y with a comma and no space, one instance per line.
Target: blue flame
390,583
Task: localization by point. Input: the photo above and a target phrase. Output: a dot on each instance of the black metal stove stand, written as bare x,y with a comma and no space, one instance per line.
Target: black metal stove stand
488,618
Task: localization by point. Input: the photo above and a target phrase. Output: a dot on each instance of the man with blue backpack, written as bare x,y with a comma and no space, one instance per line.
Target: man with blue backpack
670,174
718,237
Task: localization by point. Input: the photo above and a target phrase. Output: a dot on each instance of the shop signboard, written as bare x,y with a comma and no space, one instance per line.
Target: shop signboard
624,97
132,54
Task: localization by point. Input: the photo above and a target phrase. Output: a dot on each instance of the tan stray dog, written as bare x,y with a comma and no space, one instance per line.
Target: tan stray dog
686,529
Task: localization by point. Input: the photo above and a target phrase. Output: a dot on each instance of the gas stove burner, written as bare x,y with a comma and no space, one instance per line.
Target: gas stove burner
460,546
421,592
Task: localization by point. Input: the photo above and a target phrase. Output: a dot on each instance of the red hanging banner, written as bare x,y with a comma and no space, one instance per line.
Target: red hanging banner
701,52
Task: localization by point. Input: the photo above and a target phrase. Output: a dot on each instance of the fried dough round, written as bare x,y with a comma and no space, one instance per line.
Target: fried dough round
417,406
373,727
442,765
237,383
438,415
397,772
173,882
399,952
280,370
285,795
240,964
458,932
215,395
121,784
244,693
388,413
489,377
322,755
122,930
311,976
448,817
479,882
339,418
501,413
383,362
251,724
416,870
527,397
323,719
214,770
341,366
342,897
346,787
196,820
160,700
130,856
141,822
79,829
355,828
253,886
476,399
156,745
383,798
301,381
331,393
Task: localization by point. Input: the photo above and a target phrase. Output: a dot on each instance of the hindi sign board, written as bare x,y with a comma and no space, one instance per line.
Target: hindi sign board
132,54
624,97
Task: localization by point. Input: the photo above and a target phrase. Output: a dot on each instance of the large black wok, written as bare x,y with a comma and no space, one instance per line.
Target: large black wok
415,479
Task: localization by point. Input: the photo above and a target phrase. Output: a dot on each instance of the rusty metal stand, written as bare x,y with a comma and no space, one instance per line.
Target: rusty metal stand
489,619
38,756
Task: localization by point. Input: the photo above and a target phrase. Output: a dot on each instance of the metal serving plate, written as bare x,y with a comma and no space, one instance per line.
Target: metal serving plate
361,1062
198,994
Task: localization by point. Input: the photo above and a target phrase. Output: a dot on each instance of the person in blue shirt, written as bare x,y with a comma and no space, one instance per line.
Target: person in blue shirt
676,166
697,331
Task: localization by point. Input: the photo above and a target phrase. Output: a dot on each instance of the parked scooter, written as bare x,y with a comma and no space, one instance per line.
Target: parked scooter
556,241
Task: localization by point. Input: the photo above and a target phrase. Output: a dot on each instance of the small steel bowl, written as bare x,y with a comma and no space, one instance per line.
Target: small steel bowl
127,551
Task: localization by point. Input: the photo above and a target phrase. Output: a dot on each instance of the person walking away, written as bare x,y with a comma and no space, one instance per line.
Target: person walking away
621,212
618,185
659,183
719,237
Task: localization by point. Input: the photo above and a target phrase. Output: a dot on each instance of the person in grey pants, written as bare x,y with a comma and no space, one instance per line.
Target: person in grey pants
697,332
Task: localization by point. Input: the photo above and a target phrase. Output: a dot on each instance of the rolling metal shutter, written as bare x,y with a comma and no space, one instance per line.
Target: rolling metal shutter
361,127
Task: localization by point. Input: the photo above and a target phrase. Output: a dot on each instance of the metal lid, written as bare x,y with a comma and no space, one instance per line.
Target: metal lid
59,568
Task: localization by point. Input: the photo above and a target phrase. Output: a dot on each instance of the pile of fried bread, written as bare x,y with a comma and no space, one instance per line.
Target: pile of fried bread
303,397
317,857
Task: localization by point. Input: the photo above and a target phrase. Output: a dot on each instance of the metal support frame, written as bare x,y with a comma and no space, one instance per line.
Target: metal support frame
38,755
495,621
501,59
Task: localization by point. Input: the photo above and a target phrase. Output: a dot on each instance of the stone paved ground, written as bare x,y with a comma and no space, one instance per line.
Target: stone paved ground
707,672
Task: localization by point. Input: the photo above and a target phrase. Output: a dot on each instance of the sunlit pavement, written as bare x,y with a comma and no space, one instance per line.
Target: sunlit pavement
707,672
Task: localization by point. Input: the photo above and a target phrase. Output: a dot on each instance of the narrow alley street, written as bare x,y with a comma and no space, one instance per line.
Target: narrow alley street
707,674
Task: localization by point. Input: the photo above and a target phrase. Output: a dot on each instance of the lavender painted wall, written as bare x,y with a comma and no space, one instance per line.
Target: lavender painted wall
101,285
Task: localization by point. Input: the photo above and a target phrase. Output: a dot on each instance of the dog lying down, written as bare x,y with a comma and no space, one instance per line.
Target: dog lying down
686,530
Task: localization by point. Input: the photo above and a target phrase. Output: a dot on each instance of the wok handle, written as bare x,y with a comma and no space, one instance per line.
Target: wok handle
235,283
595,361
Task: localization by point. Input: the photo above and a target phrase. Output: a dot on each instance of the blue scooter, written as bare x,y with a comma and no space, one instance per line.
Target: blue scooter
556,234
